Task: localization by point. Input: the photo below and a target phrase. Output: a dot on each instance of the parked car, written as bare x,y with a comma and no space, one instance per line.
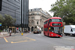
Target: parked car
36,31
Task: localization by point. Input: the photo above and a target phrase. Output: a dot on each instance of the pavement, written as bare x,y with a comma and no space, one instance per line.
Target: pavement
6,34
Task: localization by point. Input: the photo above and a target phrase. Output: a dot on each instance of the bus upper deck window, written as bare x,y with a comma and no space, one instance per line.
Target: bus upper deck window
49,20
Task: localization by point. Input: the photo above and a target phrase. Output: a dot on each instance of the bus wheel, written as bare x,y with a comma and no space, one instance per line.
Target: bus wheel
71,34
65,34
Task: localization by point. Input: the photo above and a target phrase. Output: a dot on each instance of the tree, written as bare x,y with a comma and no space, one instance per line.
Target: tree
69,20
9,21
6,21
1,19
64,8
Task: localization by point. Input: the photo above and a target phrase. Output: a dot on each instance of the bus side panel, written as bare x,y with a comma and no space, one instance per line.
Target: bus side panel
51,34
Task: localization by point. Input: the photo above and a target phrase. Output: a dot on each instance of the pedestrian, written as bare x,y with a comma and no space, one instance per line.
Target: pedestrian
10,33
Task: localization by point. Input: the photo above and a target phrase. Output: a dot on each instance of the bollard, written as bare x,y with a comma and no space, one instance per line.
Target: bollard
22,34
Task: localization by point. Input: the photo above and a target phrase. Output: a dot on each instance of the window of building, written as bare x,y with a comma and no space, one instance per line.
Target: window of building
31,9
32,14
37,13
32,22
17,0
40,19
32,17
7,0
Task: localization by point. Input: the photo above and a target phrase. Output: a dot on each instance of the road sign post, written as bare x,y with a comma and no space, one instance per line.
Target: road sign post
0,26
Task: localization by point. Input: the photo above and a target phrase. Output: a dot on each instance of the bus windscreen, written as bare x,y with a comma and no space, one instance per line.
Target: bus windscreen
56,29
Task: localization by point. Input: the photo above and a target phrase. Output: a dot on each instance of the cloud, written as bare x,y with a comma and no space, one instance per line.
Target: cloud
44,4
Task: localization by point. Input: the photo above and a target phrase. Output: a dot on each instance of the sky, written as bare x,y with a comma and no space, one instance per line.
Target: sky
44,4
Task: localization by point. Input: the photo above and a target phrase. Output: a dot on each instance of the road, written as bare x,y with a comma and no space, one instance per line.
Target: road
30,41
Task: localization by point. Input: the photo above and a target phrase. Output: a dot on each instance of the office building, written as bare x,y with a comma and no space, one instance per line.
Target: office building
25,13
13,8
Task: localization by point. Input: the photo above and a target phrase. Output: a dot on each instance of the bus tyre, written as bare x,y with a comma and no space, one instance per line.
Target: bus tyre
65,34
71,34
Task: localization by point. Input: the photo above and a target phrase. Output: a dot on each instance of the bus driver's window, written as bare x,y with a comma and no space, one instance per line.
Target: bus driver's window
52,29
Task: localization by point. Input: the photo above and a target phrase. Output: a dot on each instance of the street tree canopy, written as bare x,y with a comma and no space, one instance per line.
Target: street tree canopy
6,20
64,9
1,19
9,21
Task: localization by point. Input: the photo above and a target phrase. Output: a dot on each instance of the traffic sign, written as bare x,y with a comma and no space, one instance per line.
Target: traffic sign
0,24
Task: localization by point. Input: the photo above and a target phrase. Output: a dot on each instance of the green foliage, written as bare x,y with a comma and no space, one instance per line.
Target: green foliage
64,9
69,20
0,30
1,19
6,21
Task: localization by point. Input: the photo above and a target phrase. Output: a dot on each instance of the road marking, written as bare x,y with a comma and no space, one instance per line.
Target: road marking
5,39
64,47
33,39
26,40
20,41
30,39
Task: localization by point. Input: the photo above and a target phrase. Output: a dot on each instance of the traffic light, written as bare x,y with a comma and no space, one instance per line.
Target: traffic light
0,5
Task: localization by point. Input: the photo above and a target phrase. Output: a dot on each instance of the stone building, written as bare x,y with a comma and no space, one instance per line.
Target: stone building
37,17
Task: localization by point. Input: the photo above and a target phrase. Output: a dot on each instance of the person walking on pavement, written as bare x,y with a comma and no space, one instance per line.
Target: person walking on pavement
10,33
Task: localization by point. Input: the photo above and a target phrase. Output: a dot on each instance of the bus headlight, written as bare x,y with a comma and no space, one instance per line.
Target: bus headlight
51,34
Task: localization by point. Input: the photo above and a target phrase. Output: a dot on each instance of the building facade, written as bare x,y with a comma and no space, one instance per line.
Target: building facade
25,13
13,8
37,17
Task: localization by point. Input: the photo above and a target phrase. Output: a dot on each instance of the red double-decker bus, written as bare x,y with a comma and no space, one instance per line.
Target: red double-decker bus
53,27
